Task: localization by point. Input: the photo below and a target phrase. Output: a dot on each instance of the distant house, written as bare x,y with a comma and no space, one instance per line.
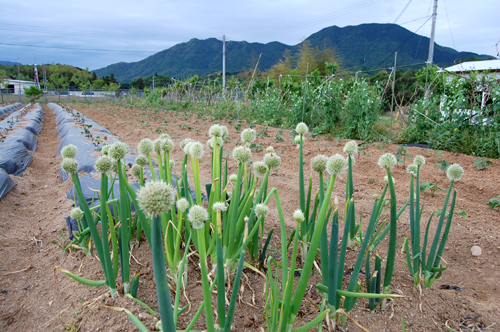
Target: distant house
11,85
485,67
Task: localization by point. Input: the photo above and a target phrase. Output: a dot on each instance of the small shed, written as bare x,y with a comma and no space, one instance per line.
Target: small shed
11,85
485,67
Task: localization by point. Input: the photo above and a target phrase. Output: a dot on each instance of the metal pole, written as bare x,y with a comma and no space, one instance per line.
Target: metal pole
393,97
431,46
223,62
153,81
19,80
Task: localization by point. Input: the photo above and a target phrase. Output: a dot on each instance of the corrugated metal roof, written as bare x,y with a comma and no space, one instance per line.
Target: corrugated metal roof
475,66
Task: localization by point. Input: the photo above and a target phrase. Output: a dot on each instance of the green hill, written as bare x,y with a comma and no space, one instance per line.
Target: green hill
361,47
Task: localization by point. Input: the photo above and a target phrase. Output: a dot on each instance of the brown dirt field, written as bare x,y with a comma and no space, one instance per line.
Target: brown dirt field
33,230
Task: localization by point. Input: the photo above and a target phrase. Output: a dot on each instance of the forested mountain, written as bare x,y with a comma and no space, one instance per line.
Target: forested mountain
361,47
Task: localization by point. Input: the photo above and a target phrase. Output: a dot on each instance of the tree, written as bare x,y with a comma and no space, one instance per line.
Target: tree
82,80
57,80
33,93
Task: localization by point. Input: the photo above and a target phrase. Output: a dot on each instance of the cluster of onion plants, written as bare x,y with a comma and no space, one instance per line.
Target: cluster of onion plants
221,225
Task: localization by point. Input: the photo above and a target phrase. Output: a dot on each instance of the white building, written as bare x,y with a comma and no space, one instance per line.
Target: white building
485,67
11,85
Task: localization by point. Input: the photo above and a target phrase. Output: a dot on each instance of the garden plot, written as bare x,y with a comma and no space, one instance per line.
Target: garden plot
462,298
6,110
17,138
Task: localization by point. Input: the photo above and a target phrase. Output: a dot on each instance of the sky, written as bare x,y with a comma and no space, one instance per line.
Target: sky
93,34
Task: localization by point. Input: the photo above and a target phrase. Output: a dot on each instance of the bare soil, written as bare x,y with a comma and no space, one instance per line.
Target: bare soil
33,232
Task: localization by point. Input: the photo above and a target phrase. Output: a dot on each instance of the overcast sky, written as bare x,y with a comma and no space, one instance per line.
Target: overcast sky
95,34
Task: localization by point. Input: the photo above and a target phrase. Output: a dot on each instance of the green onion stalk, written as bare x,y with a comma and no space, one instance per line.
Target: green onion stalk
155,198
70,166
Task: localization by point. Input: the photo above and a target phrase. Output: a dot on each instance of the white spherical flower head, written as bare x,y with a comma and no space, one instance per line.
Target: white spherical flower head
219,206
118,150
187,147
141,160
272,160
301,128
298,215
387,160
69,151
260,168
233,178
412,169
455,172
242,154
184,142
270,149
157,145
145,146
225,131
318,163
216,130
336,165
248,135
103,164
298,139
196,150
419,160
172,163
156,197
167,144
76,214
136,171
164,136
261,210
182,204
69,165
351,148
386,179
105,149
210,144
197,215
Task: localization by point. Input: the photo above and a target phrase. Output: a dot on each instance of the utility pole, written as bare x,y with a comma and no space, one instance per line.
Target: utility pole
153,81
19,80
223,62
393,98
431,46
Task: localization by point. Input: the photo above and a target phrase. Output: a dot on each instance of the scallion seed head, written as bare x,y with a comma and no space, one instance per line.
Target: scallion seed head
76,214
387,160
318,163
419,160
233,178
386,179
412,169
196,150
260,168
105,149
103,164
156,197
301,128
164,136
219,206
298,140
136,171
261,210
157,145
351,148
182,204
187,147
167,144
242,154
248,135
225,131
455,172
184,142
298,215
270,149
145,146
216,130
272,160
141,160
172,163
197,215
336,165
69,151
69,165
118,150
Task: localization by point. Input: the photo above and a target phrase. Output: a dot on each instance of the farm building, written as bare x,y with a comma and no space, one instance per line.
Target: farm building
11,85
485,67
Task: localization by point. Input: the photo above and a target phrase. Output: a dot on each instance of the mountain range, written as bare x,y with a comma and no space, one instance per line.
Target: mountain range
363,47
